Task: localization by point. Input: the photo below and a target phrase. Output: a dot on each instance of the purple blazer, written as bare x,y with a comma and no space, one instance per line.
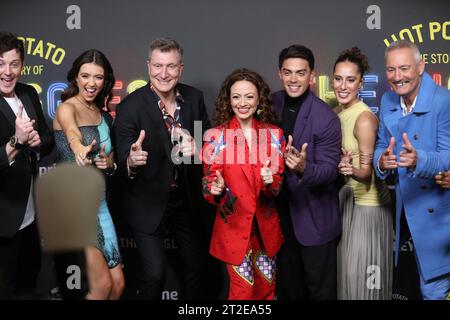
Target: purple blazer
313,197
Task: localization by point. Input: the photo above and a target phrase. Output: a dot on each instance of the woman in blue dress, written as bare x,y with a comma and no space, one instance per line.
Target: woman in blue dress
82,135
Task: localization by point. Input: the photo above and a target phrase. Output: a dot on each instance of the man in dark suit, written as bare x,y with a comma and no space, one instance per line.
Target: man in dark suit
307,260
24,136
153,129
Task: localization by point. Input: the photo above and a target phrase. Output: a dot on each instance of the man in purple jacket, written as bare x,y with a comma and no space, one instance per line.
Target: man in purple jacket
309,204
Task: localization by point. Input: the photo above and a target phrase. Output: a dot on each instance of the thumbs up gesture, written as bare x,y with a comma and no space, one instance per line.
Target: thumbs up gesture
137,156
24,126
266,174
388,159
408,156
294,159
187,143
218,184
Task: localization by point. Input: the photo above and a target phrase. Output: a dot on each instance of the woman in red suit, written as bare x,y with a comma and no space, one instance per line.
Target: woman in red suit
243,166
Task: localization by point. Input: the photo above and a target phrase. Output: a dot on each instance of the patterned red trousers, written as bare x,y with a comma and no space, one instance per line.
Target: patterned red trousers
254,278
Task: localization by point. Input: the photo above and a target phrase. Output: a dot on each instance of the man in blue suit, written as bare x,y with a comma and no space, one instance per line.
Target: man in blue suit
414,145
309,204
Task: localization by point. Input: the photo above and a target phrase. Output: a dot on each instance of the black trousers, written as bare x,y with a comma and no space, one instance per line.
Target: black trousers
192,252
20,263
305,272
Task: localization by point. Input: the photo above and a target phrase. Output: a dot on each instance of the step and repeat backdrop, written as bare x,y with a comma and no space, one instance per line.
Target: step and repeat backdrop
218,37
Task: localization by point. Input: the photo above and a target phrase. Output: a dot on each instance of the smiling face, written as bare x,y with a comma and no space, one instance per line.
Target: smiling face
347,81
244,100
90,81
10,68
164,69
403,73
296,76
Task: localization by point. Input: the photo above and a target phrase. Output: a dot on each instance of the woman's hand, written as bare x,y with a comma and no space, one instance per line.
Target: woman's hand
345,167
103,161
217,185
81,152
266,174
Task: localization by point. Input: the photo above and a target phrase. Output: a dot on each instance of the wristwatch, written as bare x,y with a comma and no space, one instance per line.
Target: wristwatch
14,142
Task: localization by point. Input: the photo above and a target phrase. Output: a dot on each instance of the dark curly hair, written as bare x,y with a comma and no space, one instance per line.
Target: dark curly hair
224,112
357,57
97,57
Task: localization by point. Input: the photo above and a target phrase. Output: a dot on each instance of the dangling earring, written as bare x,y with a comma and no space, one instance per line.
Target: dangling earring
258,109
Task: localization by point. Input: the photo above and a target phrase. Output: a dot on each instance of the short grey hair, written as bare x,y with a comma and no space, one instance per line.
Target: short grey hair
165,44
403,44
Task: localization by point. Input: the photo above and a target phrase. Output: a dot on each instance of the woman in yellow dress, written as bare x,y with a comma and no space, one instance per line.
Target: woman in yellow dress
366,248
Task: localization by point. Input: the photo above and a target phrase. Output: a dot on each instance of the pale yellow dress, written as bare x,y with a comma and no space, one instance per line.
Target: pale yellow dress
365,252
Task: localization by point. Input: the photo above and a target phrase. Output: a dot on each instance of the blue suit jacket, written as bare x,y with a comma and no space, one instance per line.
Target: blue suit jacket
427,206
313,197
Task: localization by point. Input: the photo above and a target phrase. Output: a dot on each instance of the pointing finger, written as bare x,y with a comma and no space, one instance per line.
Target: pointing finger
390,148
141,138
289,144
407,146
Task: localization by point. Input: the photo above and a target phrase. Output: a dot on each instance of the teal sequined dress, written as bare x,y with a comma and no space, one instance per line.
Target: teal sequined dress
106,233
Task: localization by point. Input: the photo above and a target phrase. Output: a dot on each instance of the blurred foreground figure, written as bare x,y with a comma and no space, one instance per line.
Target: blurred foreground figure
68,198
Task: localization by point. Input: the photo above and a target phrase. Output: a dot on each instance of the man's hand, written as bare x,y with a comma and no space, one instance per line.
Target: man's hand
24,127
388,159
34,140
187,144
408,156
443,179
295,160
137,156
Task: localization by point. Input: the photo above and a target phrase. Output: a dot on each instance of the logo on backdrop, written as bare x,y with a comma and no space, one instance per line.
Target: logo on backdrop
429,31
374,20
73,21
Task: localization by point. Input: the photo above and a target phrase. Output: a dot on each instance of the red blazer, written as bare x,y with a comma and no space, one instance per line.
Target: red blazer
245,196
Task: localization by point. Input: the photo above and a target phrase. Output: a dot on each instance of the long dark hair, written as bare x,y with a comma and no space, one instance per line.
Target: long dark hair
224,112
91,56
